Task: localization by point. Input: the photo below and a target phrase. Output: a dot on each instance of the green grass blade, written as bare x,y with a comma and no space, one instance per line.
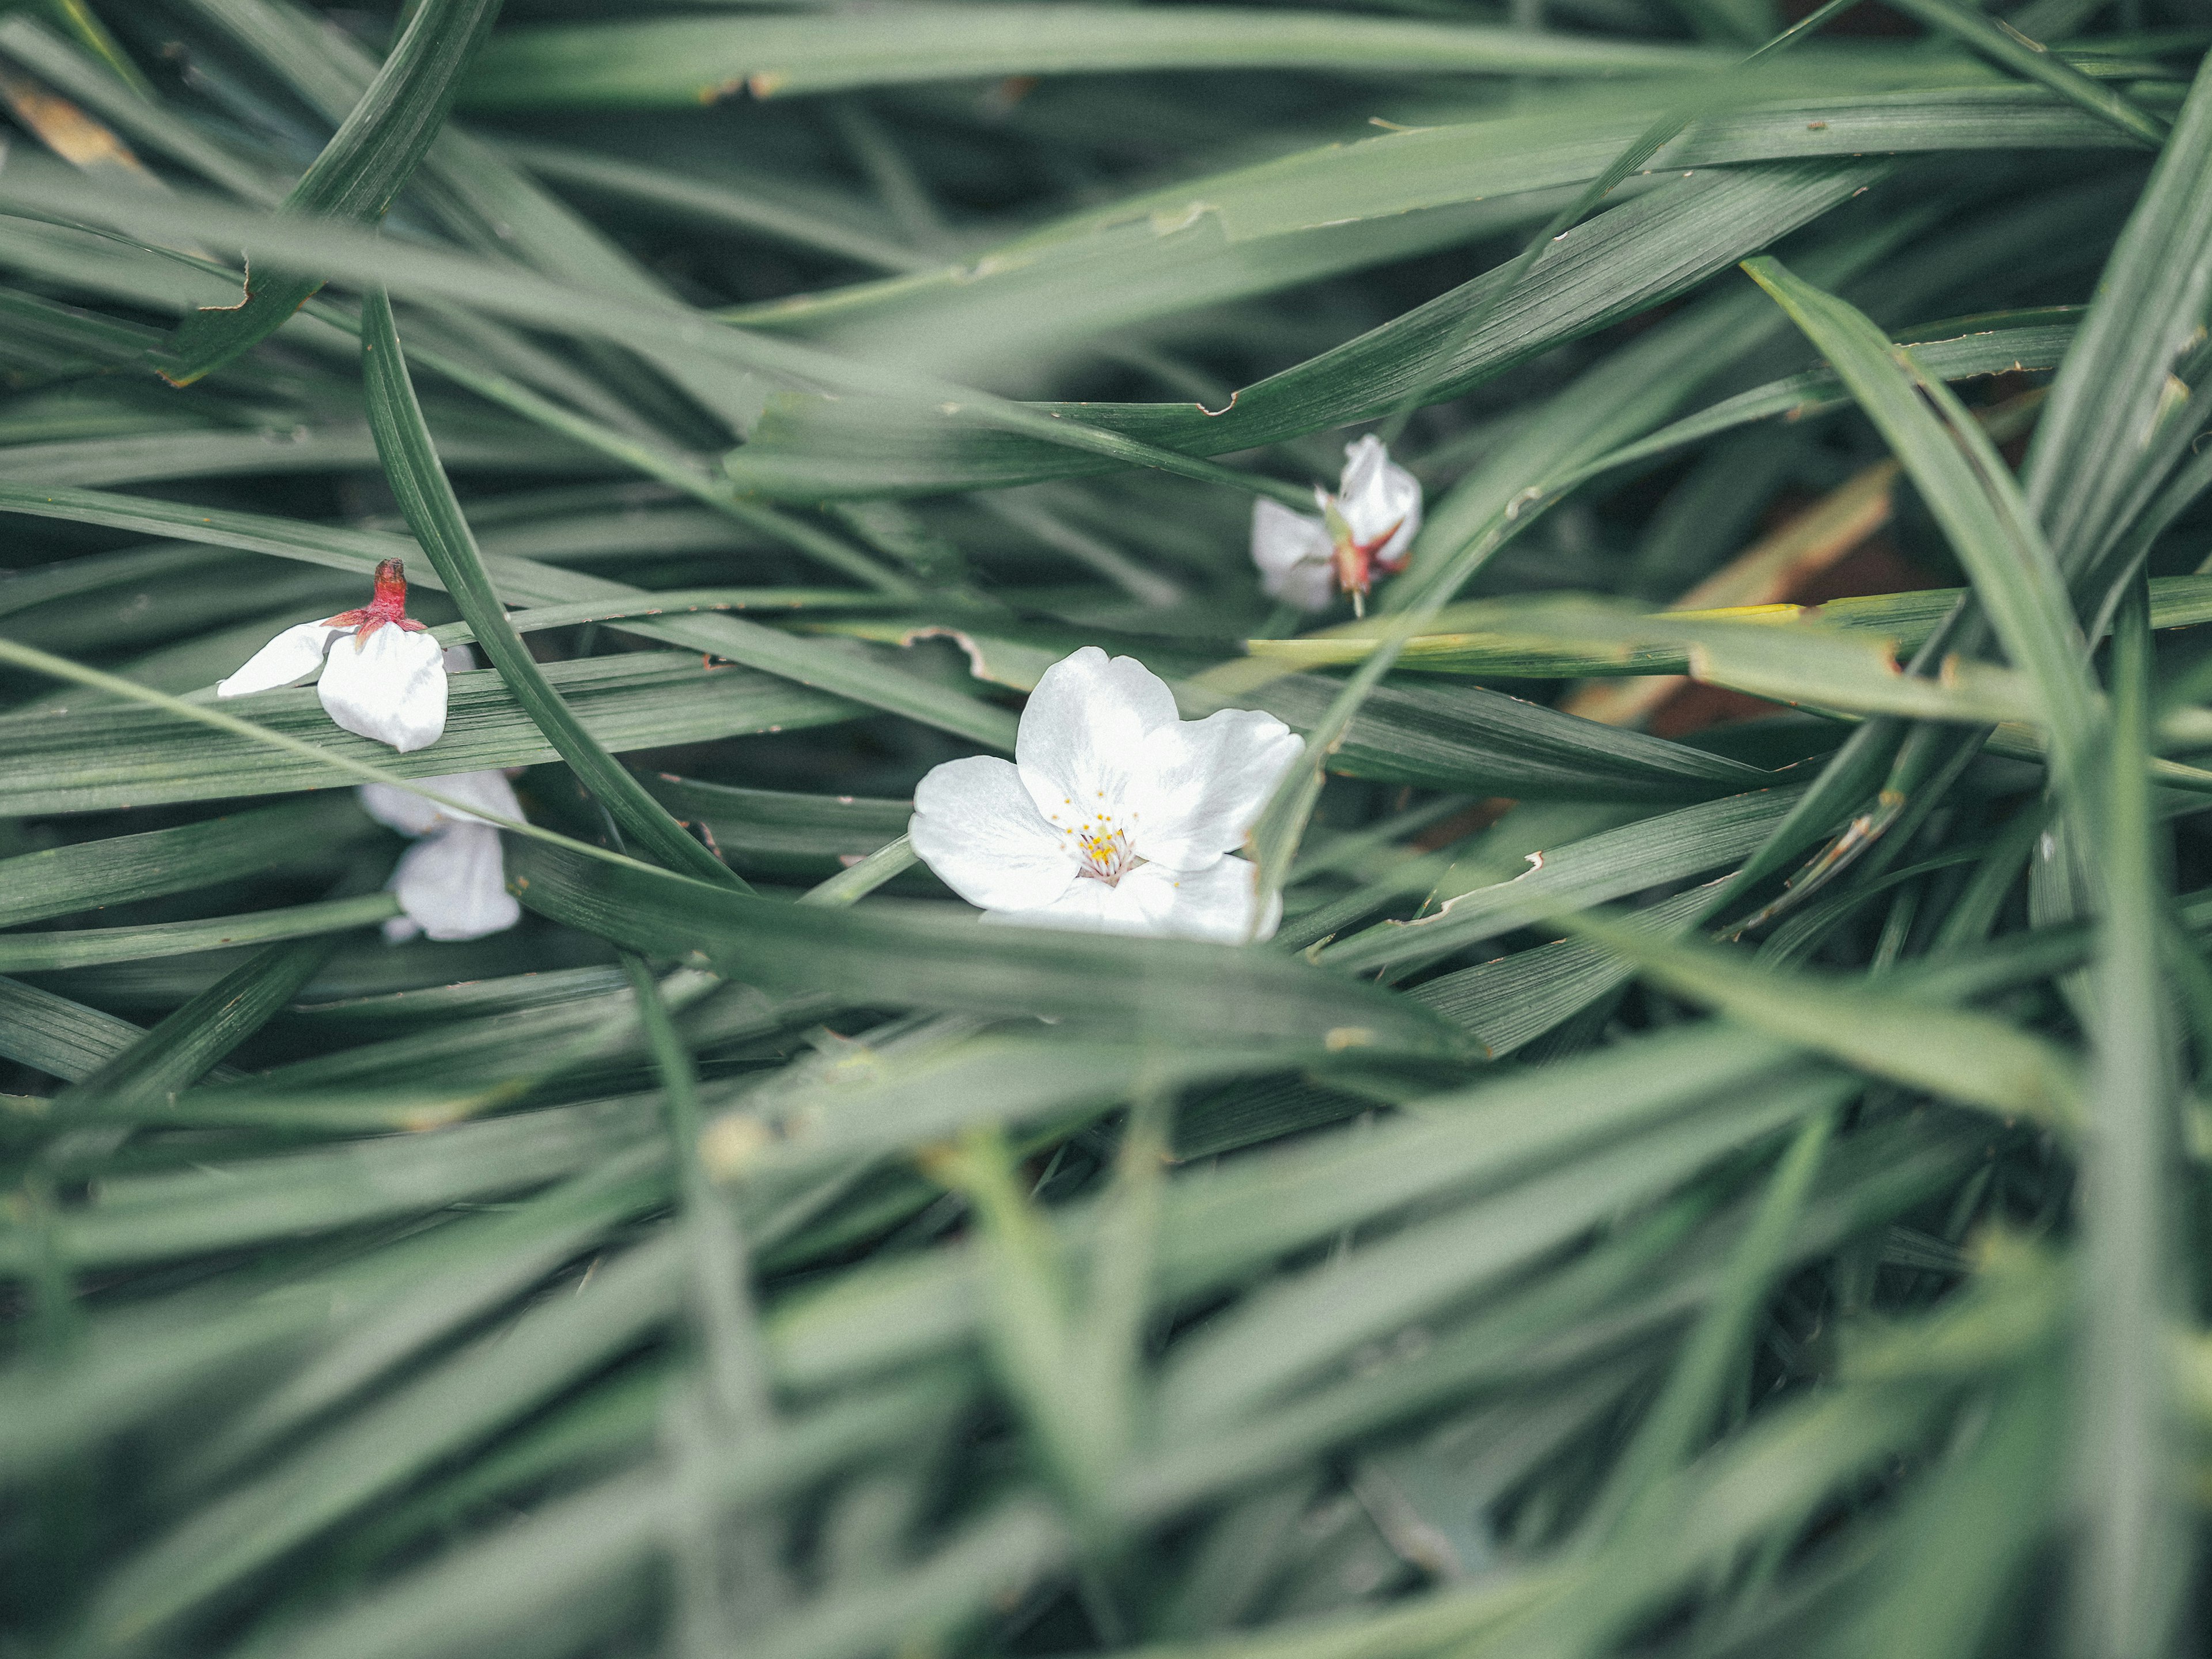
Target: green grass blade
364,166
2005,45
155,862
1971,491
916,958
2132,1543
426,496
2114,393
179,1051
684,62
1971,1058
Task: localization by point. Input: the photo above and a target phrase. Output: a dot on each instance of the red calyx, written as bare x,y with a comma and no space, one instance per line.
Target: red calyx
1357,563
389,604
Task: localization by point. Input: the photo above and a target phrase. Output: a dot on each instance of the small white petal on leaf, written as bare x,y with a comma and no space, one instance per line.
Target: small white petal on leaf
1296,561
391,687
975,826
489,791
291,656
452,884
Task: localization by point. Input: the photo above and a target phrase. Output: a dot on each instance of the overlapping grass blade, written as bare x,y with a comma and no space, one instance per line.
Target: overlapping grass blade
417,478
357,176
685,62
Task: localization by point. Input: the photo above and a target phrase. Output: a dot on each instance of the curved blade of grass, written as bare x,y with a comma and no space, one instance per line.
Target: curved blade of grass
717,204
2006,45
1639,255
852,885
192,1212
1494,645
1971,491
357,177
2114,390
434,513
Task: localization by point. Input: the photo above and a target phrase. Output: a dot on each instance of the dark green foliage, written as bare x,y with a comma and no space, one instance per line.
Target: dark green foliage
1710,1166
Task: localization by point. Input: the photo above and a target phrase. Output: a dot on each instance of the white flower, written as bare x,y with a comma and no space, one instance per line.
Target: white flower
1297,559
1367,526
1115,815
452,883
391,684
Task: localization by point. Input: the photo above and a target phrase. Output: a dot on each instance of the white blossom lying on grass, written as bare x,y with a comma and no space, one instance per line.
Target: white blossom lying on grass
452,883
1115,815
1367,526
389,685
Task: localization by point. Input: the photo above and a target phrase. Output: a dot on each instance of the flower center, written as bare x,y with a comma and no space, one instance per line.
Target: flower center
389,604
1099,839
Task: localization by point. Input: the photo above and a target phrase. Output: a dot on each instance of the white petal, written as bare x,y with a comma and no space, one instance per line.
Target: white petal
454,884
458,660
1219,904
1208,781
975,826
395,808
292,655
489,791
391,687
1377,494
1294,557
1215,904
1084,729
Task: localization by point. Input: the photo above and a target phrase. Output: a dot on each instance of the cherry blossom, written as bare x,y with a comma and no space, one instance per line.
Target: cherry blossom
1115,815
452,883
1365,528
390,684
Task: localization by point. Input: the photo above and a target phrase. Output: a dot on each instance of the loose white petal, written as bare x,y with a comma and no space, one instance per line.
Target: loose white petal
1215,904
1293,553
458,660
489,792
391,687
395,808
292,655
452,884
1376,495
1208,781
975,826
1082,730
